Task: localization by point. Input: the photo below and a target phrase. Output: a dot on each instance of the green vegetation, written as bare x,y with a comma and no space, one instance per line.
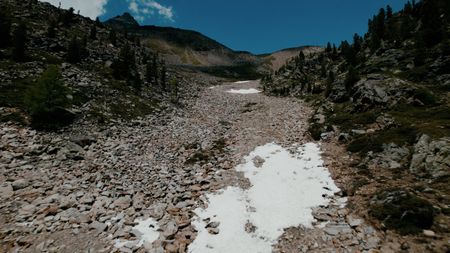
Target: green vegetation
5,29
19,42
47,100
403,211
374,142
67,17
243,71
112,38
124,68
76,50
93,32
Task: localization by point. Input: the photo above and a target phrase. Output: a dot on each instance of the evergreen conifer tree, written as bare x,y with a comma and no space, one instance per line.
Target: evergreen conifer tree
19,42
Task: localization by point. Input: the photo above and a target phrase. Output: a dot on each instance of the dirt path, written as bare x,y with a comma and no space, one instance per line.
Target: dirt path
89,187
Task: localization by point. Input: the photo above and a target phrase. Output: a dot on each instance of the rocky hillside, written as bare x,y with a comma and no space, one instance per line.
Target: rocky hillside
106,75
185,47
386,96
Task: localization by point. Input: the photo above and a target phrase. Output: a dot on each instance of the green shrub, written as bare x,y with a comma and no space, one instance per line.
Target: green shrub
402,211
47,100
315,130
76,50
19,42
374,142
5,29
425,96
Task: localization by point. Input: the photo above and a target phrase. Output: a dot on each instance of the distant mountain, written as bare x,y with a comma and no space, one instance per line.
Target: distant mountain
182,47
276,60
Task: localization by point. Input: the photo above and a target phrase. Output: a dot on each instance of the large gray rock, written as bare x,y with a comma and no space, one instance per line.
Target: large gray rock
431,158
392,157
379,91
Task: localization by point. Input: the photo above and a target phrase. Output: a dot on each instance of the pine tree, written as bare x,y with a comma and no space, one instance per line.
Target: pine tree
357,41
19,42
150,72
380,23
323,69
83,49
74,51
164,75
124,68
47,97
433,28
375,42
5,29
174,91
389,13
351,78
155,68
408,9
68,16
51,29
328,49
98,22
93,33
329,83
112,38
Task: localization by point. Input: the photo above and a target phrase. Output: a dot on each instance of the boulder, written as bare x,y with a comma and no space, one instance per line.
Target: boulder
431,158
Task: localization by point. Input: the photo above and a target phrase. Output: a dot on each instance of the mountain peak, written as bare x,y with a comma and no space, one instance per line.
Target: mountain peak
126,20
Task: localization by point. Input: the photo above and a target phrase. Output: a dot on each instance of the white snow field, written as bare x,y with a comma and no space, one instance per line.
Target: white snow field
284,190
244,91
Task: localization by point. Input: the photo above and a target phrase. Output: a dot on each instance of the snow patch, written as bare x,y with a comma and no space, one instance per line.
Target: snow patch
145,230
244,91
284,190
241,82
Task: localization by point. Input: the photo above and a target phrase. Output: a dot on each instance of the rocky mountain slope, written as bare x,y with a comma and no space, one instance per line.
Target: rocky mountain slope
107,75
103,129
274,61
185,47
386,96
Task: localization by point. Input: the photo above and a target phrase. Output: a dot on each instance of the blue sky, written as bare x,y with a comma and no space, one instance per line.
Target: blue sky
251,25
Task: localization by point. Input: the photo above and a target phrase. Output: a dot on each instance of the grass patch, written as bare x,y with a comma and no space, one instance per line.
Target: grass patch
433,121
402,211
347,121
12,95
374,142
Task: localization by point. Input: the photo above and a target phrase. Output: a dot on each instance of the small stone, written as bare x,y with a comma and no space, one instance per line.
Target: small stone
354,222
171,229
99,226
258,161
20,184
123,202
6,191
429,233
214,224
213,231
171,248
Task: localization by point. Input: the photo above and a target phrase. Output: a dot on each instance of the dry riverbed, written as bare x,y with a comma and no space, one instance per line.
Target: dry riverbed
235,171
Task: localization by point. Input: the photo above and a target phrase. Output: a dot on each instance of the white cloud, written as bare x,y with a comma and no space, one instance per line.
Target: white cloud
134,7
87,8
142,8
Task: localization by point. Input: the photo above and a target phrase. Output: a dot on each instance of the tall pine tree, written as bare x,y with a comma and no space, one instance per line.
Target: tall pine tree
19,42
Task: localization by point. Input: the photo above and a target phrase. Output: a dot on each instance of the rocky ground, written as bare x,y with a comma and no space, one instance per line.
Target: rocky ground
82,189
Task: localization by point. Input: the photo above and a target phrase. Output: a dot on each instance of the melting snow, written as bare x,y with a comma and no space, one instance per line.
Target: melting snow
145,230
244,91
241,82
284,190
